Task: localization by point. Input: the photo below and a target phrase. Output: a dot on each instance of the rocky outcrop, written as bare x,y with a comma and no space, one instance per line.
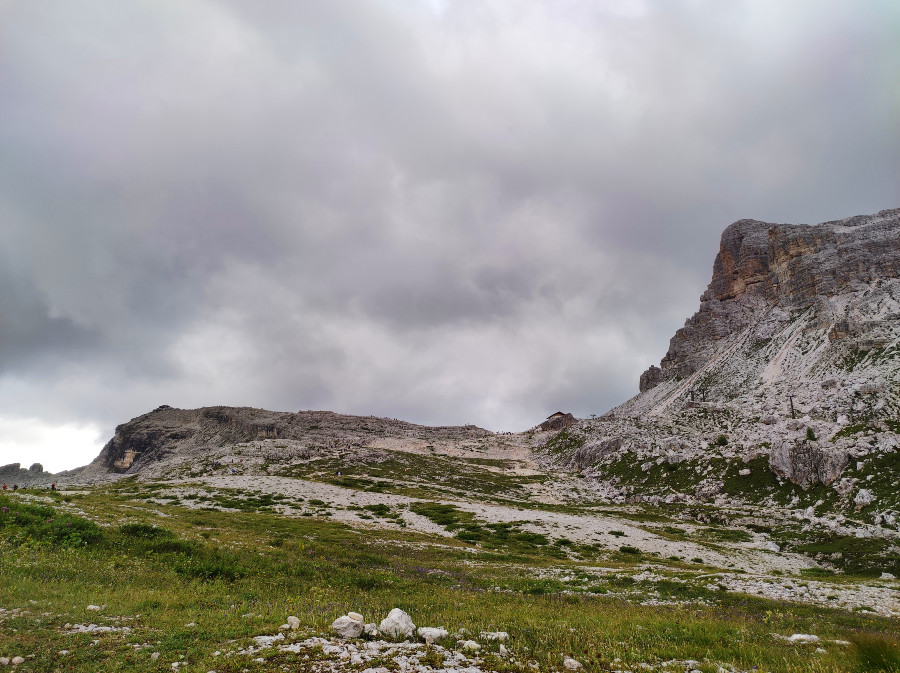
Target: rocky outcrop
14,473
806,464
760,265
650,378
166,431
558,421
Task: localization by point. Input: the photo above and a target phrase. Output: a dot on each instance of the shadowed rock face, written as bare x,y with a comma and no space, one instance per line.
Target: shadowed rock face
760,264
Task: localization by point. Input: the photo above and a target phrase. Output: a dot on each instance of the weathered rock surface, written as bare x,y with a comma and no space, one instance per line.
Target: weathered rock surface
397,624
762,265
806,464
347,627
431,634
166,431
791,366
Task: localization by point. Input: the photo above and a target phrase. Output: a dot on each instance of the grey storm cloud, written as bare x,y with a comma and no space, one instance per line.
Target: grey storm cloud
443,211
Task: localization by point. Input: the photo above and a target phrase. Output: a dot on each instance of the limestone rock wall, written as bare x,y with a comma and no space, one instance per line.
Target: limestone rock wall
793,267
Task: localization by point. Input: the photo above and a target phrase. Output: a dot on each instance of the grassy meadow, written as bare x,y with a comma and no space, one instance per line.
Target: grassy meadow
188,583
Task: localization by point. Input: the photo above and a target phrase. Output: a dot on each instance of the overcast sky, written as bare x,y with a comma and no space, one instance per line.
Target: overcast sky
442,211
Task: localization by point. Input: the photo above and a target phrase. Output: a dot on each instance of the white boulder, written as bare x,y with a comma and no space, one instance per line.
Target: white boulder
18,660
293,623
469,645
863,497
432,634
346,628
571,664
370,630
397,624
93,608
499,636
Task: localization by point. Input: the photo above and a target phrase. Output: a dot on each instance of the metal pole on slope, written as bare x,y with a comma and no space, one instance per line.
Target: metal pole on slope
791,398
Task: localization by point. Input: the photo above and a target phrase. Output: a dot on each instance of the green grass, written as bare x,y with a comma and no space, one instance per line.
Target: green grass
157,574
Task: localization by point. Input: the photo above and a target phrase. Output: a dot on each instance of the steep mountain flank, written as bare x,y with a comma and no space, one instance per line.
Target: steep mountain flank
761,267
783,389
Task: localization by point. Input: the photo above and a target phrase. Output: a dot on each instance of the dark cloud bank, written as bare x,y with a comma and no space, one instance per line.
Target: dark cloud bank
446,212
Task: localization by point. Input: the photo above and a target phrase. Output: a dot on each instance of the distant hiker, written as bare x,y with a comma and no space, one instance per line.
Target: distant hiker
15,487
4,487
52,487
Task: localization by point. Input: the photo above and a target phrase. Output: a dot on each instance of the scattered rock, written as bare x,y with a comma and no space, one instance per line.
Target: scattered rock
803,638
370,630
355,615
268,641
345,627
397,624
432,635
863,497
469,645
888,576
294,623
93,608
571,664
499,636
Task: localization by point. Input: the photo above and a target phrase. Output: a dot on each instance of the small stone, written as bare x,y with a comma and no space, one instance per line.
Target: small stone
4,661
503,650
571,664
397,624
92,608
154,656
189,625
887,576
745,472
470,645
345,627
499,636
355,616
370,630
294,623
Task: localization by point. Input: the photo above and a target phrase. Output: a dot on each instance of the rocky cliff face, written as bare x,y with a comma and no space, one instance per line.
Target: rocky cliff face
761,266
783,386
